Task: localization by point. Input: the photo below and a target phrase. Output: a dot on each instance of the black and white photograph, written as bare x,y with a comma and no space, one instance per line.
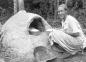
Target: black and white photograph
42,30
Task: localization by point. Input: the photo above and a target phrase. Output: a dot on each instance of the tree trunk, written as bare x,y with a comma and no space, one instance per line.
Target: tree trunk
66,2
21,4
55,13
18,5
15,6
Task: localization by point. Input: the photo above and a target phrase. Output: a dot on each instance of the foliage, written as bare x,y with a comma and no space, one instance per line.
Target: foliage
75,4
41,7
6,10
77,8
7,4
48,9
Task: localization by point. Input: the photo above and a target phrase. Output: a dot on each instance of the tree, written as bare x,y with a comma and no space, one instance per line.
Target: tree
21,4
15,6
18,5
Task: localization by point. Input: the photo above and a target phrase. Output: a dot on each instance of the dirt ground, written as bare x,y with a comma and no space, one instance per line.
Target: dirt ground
76,58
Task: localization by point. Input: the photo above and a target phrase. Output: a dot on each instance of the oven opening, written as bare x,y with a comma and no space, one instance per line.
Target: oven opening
36,26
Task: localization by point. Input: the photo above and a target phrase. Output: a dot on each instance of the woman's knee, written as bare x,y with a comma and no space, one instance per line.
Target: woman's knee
58,32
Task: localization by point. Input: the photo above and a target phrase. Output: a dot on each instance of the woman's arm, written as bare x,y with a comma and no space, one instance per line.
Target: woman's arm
72,34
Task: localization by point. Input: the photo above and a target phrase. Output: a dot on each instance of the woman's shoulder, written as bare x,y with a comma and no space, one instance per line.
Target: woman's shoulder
71,18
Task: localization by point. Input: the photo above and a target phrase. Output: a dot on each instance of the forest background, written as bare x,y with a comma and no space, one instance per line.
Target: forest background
47,9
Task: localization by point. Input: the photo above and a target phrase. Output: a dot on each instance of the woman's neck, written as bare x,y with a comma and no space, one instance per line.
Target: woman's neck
64,18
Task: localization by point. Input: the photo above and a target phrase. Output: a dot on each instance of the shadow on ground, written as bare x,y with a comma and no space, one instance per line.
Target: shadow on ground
75,58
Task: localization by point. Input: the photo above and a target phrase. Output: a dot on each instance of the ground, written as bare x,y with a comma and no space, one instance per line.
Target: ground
75,58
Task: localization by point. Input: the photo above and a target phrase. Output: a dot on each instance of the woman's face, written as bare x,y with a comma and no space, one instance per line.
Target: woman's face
61,12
